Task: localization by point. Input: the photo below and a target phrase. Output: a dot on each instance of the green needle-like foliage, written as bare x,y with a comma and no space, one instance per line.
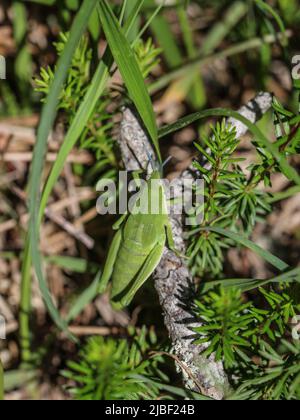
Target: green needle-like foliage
108,368
232,199
231,326
275,377
78,78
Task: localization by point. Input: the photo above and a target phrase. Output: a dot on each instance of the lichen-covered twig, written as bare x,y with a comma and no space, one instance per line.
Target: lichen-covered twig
254,110
173,280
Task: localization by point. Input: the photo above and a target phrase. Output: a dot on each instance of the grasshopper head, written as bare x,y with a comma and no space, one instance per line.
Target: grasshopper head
157,167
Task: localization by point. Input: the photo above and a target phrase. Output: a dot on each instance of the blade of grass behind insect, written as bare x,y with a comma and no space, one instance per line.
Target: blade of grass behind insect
123,11
131,14
47,119
173,56
84,299
191,76
129,69
286,168
75,265
82,117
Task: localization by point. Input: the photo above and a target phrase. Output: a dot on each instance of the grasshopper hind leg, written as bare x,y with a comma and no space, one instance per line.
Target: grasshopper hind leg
148,268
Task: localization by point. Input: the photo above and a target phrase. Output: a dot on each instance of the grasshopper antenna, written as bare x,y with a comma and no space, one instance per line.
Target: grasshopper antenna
167,161
153,165
150,158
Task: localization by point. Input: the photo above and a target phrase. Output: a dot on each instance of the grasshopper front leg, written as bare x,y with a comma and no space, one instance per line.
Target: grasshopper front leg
118,224
171,243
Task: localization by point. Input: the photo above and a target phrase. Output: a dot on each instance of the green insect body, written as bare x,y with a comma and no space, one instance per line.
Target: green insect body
138,246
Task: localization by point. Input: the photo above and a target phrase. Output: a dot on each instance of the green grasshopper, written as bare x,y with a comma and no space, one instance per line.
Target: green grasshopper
137,247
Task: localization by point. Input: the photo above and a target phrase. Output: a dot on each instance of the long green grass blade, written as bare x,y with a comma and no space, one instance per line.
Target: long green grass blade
245,285
129,69
192,81
165,38
280,196
200,60
76,265
132,21
47,119
269,9
287,169
240,239
83,114
96,89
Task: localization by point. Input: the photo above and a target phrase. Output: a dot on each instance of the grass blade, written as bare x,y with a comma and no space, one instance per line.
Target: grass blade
286,168
76,265
84,299
86,109
245,285
240,239
129,69
84,113
47,119
79,123
164,37
269,9
220,30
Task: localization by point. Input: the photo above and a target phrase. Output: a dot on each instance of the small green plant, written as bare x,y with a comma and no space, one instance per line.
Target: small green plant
227,324
251,334
275,376
234,196
98,136
232,199
114,369
148,56
78,76
232,326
